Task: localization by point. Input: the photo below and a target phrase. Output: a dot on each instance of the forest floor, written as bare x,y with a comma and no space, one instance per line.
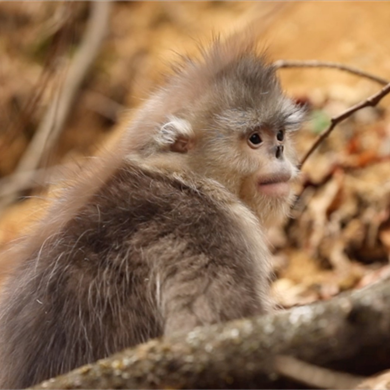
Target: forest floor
338,236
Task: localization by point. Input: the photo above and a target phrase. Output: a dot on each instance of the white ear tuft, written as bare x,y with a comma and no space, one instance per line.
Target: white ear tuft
297,116
174,129
294,115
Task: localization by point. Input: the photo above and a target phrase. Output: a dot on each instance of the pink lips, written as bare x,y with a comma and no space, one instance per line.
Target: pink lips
275,186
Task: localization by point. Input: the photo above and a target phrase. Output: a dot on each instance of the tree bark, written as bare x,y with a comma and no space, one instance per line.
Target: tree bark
349,333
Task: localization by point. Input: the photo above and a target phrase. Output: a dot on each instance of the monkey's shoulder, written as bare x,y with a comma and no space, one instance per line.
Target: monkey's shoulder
152,181
145,192
140,206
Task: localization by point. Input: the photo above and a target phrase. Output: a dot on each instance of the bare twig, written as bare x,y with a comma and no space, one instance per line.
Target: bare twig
315,376
49,68
369,102
104,106
53,122
23,181
327,64
59,110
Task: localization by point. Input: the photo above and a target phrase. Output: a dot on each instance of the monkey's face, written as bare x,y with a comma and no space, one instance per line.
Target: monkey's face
250,151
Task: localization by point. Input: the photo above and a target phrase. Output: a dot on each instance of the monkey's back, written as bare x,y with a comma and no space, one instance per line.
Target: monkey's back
148,255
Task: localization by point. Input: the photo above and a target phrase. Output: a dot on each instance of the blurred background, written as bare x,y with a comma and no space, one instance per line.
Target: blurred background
71,74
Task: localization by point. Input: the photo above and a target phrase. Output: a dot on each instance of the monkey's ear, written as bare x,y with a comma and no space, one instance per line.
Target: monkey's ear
182,145
176,134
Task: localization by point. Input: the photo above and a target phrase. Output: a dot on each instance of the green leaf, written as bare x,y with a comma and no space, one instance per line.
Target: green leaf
319,121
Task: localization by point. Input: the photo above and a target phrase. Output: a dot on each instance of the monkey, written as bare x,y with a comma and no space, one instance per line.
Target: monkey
165,232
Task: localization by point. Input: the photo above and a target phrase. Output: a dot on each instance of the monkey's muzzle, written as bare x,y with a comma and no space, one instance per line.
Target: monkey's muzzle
278,186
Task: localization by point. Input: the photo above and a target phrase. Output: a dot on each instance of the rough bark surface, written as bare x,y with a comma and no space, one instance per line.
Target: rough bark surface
352,330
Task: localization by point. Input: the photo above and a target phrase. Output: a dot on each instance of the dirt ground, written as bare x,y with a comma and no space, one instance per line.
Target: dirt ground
339,235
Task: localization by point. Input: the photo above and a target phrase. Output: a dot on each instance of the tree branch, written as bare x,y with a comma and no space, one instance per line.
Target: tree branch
326,64
369,102
342,334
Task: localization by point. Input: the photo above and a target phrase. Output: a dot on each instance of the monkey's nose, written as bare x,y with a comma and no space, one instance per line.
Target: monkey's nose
279,151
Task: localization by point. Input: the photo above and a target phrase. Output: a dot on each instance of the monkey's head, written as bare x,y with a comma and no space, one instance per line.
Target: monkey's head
229,121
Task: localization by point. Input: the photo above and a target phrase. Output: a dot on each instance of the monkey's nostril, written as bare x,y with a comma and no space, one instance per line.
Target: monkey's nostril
279,151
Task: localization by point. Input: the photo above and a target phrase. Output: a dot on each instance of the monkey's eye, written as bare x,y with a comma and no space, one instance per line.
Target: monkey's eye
280,135
255,140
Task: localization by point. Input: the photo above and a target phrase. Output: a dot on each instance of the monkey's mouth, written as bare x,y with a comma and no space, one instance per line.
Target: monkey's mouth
278,186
